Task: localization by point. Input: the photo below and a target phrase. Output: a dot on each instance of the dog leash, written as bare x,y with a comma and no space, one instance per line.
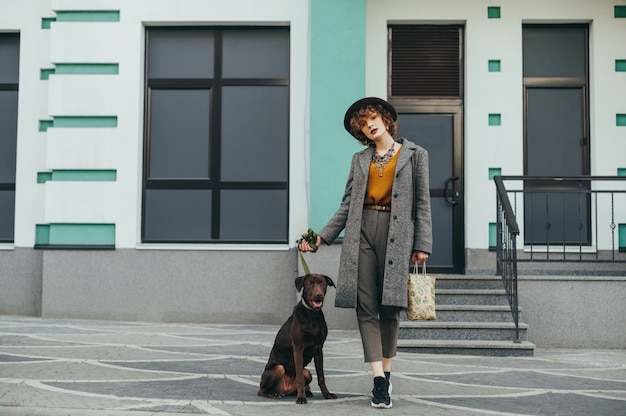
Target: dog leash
310,237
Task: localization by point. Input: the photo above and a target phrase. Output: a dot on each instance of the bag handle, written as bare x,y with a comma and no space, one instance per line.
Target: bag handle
416,268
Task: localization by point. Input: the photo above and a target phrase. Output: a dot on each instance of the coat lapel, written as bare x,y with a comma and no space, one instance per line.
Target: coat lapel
405,154
365,159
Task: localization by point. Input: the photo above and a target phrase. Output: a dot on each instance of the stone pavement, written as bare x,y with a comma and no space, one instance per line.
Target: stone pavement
92,368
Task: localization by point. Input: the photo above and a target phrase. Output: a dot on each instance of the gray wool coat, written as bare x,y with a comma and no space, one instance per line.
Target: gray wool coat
405,235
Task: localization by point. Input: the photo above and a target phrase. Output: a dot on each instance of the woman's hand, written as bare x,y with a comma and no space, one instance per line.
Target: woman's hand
305,246
419,257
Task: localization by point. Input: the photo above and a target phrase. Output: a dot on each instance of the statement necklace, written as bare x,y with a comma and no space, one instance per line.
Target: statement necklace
382,161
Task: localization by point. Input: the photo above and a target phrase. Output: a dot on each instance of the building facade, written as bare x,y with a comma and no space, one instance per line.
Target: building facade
159,159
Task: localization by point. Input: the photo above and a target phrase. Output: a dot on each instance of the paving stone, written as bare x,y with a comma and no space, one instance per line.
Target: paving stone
91,368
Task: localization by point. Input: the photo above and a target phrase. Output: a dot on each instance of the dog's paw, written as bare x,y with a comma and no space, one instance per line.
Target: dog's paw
330,396
301,400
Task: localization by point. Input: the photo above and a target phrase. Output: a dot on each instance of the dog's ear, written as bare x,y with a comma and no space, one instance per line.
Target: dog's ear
300,282
329,281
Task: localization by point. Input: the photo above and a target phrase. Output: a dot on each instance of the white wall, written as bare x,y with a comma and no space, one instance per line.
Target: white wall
25,18
123,95
502,92
120,95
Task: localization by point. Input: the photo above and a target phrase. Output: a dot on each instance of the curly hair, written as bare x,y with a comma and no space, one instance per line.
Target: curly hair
357,122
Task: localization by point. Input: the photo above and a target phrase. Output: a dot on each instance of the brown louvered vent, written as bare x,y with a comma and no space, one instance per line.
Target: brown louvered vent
425,61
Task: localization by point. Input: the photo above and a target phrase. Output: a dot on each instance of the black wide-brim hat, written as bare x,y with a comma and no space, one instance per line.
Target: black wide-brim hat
364,102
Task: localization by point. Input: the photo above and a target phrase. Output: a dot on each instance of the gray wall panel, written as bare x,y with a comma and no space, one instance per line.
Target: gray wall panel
170,286
20,282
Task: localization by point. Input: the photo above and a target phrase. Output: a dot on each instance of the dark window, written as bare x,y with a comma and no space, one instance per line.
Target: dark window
425,61
555,51
556,122
9,82
217,135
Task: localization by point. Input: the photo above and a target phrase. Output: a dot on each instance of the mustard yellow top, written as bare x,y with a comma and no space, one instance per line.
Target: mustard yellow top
379,183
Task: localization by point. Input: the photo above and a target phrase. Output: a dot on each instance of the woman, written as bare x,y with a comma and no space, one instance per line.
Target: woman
385,212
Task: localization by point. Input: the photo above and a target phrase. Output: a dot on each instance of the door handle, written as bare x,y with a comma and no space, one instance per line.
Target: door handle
446,193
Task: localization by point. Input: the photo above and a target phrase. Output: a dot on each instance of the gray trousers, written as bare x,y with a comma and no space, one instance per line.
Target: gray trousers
378,324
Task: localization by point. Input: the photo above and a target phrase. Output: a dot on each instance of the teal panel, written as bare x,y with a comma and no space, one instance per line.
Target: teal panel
495,119
493,12
46,72
621,232
620,119
620,11
44,125
82,234
494,172
85,121
337,80
621,171
43,177
46,21
494,65
620,65
87,69
42,234
84,175
88,16
493,234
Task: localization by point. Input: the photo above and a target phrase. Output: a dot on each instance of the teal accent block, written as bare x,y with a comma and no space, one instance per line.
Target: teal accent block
43,177
620,65
45,73
493,234
493,172
88,16
620,11
44,125
337,80
621,171
493,12
495,119
47,21
494,65
85,175
85,121
621,233
42,234
103,175
620,119
87,69
75,234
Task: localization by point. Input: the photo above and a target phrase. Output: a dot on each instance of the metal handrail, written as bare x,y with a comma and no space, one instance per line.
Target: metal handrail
508,229
506,250
587,195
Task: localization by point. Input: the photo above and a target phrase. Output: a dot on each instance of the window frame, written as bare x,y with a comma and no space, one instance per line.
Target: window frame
213,182
11,86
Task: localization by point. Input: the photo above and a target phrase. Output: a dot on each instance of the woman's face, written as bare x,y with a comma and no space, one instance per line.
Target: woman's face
374,127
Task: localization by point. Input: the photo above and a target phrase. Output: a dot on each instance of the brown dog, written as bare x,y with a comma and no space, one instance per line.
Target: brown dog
300,338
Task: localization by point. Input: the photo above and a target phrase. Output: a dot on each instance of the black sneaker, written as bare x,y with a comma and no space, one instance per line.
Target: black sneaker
381,399
390,385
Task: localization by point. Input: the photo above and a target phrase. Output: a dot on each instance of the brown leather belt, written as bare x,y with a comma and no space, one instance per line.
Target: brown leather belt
378,207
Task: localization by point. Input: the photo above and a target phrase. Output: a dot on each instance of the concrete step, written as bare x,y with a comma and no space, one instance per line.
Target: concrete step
470,297
474,313
473,317
464,347
467,331
456,281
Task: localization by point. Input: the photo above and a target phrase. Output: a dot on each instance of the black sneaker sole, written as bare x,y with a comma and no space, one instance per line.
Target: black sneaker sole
382,405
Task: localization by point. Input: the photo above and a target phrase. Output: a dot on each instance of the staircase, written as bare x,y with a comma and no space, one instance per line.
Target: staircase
473,318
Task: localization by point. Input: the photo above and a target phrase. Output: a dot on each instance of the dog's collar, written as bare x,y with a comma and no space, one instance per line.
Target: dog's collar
308,307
